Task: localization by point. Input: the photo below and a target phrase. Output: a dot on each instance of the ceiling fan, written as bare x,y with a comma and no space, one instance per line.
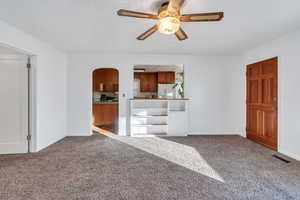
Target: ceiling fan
169,19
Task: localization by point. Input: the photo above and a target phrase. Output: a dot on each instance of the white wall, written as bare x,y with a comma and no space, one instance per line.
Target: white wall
49,75
210,84
287,49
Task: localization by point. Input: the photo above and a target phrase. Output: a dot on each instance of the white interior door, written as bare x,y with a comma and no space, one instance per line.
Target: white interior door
13,106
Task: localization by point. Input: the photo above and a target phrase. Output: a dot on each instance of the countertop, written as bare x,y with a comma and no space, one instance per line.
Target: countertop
105,102
159,99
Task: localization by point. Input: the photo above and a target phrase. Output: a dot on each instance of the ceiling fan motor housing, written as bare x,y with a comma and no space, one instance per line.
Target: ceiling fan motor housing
163,11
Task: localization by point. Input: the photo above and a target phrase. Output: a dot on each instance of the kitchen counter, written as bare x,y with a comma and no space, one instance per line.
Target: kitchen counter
160,99
159,116
106,102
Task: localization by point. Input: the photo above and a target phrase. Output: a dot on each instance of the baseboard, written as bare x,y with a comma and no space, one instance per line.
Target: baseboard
44,146
12,148
213,133
292,155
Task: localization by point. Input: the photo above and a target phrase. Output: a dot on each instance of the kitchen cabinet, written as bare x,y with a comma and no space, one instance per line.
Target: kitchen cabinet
159,117
166,77
105,114
148,81
108,78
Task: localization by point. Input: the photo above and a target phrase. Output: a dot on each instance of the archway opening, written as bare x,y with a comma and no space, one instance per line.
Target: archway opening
105,101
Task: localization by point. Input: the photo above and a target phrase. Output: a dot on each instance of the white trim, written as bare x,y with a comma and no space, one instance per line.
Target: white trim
17,50
292,155
17,57
33,105
22,58
22,55
12,148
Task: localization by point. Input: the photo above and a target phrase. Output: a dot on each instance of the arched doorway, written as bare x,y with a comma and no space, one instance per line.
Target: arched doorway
105,100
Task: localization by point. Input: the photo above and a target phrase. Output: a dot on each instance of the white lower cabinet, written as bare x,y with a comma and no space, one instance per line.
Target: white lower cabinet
178,123
158,117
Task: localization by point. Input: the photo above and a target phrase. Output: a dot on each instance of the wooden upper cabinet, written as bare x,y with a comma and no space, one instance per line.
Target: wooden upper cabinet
108,78
148,81
166,77
137,75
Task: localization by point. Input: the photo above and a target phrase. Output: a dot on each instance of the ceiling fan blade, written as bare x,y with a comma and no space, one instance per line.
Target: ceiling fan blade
174,7
181,35
202,17
129,13
148,33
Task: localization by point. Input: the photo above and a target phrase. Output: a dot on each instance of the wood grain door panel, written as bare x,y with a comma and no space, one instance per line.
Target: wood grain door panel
253,91
262,103
253,116
262,127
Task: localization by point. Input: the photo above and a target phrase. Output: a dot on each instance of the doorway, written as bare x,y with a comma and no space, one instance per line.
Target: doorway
14,107
105,101
262,102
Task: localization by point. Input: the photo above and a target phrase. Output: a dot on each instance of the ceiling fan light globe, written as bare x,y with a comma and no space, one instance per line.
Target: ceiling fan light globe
168,25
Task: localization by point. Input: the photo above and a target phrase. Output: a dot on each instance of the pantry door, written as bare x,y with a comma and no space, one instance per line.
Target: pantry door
262,102
14,106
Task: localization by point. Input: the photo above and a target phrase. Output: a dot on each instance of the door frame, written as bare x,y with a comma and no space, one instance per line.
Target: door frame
31,75
91,95
278,101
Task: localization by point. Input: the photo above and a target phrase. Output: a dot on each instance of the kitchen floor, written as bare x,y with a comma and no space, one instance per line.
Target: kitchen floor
105,129
125,168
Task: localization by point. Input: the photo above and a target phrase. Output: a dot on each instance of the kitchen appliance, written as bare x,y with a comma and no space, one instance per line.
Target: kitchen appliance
166,91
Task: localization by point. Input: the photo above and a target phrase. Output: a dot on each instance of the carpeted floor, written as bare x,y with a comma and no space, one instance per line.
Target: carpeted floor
111,167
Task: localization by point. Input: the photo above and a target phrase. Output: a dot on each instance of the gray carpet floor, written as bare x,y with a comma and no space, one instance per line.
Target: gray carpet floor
167,168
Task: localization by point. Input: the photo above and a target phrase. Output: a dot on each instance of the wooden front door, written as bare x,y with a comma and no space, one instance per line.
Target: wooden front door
262,102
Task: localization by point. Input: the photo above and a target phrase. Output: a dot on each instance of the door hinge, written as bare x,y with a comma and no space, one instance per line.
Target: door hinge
28,63
29,137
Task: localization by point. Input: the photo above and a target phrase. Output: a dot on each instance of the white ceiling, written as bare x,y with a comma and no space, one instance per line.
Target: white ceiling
92,25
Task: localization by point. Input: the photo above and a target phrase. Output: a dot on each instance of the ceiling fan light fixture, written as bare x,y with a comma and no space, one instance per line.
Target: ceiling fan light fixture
169,19
168,25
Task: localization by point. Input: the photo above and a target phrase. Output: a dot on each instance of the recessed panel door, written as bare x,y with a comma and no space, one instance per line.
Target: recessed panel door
262,102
